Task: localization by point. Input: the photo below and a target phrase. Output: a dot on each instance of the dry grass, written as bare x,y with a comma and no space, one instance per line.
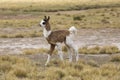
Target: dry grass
96,18
84,50
35,51
16,68
99,50
46,5
41,50
21,34
116,58
18,14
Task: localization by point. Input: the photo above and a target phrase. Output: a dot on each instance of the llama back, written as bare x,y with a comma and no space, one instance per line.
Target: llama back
58,36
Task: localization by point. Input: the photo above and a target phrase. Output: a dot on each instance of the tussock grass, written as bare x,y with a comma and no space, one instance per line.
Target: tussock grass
41,50
15,68
21,34
116,58
19,22
109,49
26,14
78,17
52,6
99,50
96,18
83,50
35,51
23,68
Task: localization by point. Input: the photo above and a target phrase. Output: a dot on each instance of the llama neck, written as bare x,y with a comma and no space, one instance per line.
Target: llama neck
46,33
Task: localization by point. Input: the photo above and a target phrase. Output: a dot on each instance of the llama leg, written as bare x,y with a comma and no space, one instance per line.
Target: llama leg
60,53
69,53
52,47
75,49
48,59
71,45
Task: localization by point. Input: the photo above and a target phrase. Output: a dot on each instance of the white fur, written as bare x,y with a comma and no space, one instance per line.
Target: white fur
60,53
48,60
70,54
73,30
41,23
46,33
71,46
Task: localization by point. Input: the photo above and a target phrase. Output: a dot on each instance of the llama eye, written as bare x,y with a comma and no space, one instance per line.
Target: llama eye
43,22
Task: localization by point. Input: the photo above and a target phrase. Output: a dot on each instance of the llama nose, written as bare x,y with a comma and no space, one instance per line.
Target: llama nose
39,25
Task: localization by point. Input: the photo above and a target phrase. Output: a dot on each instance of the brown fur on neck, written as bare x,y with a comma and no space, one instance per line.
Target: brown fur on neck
48,28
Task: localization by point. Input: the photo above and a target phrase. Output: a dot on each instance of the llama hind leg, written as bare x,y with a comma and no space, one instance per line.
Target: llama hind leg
69,53
73,47
75,50
52,47
60,53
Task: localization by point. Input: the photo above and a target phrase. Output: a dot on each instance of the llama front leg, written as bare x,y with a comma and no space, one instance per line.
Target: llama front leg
52,47
48,59
60,53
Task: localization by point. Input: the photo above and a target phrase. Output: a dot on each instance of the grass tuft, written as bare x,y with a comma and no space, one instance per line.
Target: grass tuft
80,17
115,58
99,50
34,51
109,50
25,69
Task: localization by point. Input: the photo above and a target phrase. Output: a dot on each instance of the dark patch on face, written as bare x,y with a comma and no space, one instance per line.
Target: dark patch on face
44,23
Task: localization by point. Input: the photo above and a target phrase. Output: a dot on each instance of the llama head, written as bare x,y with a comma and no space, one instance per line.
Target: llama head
45,21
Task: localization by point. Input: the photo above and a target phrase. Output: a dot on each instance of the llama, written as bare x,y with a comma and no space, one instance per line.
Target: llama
56,38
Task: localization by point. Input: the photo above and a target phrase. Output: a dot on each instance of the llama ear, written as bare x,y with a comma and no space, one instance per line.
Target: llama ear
45,17
48,18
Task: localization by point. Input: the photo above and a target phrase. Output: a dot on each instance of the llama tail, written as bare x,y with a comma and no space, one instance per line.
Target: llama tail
73,30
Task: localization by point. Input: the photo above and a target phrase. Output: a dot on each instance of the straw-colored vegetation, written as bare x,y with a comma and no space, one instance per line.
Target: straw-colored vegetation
17,68
83,50
21,14
53,5
41,50
116,58
20,18
21,34
35,51
99,50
